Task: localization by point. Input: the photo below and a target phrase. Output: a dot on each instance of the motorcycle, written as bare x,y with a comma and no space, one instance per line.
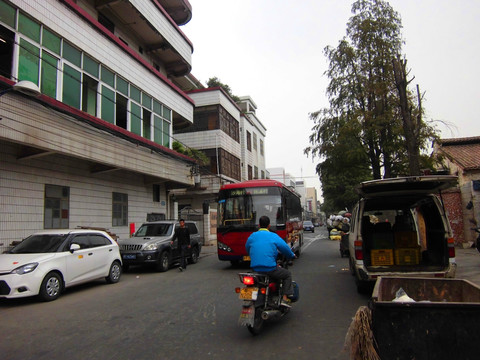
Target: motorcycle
262,298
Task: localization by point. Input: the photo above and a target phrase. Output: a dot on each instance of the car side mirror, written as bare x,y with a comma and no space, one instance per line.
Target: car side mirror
74,247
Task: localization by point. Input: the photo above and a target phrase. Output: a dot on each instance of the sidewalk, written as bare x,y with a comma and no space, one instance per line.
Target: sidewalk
468,264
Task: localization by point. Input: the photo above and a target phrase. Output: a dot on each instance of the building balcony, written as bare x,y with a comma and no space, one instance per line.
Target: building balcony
155,29
179,10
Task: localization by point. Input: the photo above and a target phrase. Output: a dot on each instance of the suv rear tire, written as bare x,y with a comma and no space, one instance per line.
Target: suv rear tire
194,256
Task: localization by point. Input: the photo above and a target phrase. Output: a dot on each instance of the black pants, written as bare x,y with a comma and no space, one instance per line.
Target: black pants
183,256
283,274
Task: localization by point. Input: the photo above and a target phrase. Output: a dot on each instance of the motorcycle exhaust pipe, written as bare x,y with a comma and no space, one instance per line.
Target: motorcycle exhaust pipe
268,314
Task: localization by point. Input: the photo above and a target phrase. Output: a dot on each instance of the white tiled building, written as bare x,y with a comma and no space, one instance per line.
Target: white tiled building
94,149
253,134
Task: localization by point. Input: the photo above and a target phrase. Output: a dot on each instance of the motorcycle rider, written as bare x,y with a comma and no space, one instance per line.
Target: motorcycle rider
263,247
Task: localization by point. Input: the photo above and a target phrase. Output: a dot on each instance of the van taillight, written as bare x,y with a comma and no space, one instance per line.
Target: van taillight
357,244
451,247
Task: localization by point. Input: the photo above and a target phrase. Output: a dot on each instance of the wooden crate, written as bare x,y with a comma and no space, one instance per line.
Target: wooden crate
381,257
407,256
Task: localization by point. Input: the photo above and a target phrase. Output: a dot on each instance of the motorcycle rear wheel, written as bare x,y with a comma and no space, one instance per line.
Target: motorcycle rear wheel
257,323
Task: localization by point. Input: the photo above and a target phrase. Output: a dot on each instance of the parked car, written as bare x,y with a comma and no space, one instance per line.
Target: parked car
151,245
47,262
308,226
399,228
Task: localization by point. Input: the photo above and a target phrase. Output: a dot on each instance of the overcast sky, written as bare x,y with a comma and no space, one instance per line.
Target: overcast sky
272,50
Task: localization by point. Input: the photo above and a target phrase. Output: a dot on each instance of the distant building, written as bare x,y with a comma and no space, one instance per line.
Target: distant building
233,139
282,176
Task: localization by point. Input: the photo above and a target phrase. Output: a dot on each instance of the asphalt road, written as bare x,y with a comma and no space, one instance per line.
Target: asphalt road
186,315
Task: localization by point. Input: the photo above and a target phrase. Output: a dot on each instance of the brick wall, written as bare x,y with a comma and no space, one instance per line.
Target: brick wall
453,207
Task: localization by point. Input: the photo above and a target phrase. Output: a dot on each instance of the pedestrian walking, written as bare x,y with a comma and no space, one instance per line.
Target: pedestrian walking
182,235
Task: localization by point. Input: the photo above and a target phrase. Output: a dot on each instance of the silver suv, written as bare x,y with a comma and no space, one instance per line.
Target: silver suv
151,245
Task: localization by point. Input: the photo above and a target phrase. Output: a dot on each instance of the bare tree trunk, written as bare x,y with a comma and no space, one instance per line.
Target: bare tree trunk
399,69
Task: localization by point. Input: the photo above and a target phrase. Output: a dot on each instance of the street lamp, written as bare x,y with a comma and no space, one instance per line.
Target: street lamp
25,87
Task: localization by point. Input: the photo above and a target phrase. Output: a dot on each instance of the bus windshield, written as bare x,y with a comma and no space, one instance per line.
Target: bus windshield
247,205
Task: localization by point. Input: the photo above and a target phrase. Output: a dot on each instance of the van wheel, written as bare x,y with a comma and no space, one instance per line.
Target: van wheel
363,287
163,262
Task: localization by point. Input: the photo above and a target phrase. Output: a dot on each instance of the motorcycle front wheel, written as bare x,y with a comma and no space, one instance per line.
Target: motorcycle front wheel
257,322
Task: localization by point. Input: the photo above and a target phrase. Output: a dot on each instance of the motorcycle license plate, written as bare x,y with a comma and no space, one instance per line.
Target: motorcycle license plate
247,316
248,293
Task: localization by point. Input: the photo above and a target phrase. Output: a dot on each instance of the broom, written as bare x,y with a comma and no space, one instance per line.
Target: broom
359,338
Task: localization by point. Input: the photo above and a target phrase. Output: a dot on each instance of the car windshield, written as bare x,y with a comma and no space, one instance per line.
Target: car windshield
154,230
307,223
39,244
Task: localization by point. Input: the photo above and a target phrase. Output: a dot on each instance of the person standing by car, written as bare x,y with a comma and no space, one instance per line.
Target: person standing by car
263,247
182,235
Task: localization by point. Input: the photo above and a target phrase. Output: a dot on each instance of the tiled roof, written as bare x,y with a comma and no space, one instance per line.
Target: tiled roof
465,152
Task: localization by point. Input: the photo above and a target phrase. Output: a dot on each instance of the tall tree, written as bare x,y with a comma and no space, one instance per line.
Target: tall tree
363,91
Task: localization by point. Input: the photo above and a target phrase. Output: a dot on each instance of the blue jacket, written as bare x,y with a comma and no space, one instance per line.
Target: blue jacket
263,247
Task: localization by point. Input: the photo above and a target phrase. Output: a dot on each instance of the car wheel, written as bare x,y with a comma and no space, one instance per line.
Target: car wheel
114,273
194,256
51,287
163,262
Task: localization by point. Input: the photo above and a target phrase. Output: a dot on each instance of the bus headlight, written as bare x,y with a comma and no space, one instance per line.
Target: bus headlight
223,246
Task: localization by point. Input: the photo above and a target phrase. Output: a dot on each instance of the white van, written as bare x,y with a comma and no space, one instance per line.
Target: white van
400,228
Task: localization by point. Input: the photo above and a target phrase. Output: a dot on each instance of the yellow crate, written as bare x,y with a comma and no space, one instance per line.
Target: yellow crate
381,257
407,256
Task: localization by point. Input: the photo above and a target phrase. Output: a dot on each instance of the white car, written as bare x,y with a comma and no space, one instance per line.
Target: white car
47,262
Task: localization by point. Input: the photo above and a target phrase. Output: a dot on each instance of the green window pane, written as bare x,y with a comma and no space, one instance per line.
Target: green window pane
157,107
90,65
136,119
29,28
157,129
72,86
135,93
89,95
28,62
48,79
7,14
51,41
166,134
147,121
122,86
72,54
108,77
108,105
167,113
146,101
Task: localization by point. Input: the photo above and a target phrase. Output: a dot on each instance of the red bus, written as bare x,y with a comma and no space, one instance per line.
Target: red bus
240,207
